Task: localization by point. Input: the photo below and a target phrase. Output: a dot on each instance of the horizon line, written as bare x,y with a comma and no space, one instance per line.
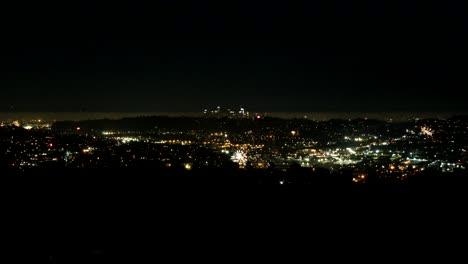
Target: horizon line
312,115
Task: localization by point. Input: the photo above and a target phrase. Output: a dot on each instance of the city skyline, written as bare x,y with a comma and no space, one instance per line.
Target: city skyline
314,116
219,129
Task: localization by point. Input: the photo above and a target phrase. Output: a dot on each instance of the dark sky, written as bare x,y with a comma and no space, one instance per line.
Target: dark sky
263,55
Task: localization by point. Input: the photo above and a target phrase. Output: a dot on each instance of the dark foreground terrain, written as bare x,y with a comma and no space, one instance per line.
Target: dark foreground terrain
143,215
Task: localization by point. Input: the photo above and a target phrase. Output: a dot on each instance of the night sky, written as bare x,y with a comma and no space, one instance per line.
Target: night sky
263,55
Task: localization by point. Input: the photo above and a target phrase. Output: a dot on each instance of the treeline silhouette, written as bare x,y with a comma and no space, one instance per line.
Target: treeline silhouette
183,123
145,123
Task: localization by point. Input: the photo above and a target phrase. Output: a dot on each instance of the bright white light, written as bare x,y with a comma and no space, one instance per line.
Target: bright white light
240,157
128,139
351,151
